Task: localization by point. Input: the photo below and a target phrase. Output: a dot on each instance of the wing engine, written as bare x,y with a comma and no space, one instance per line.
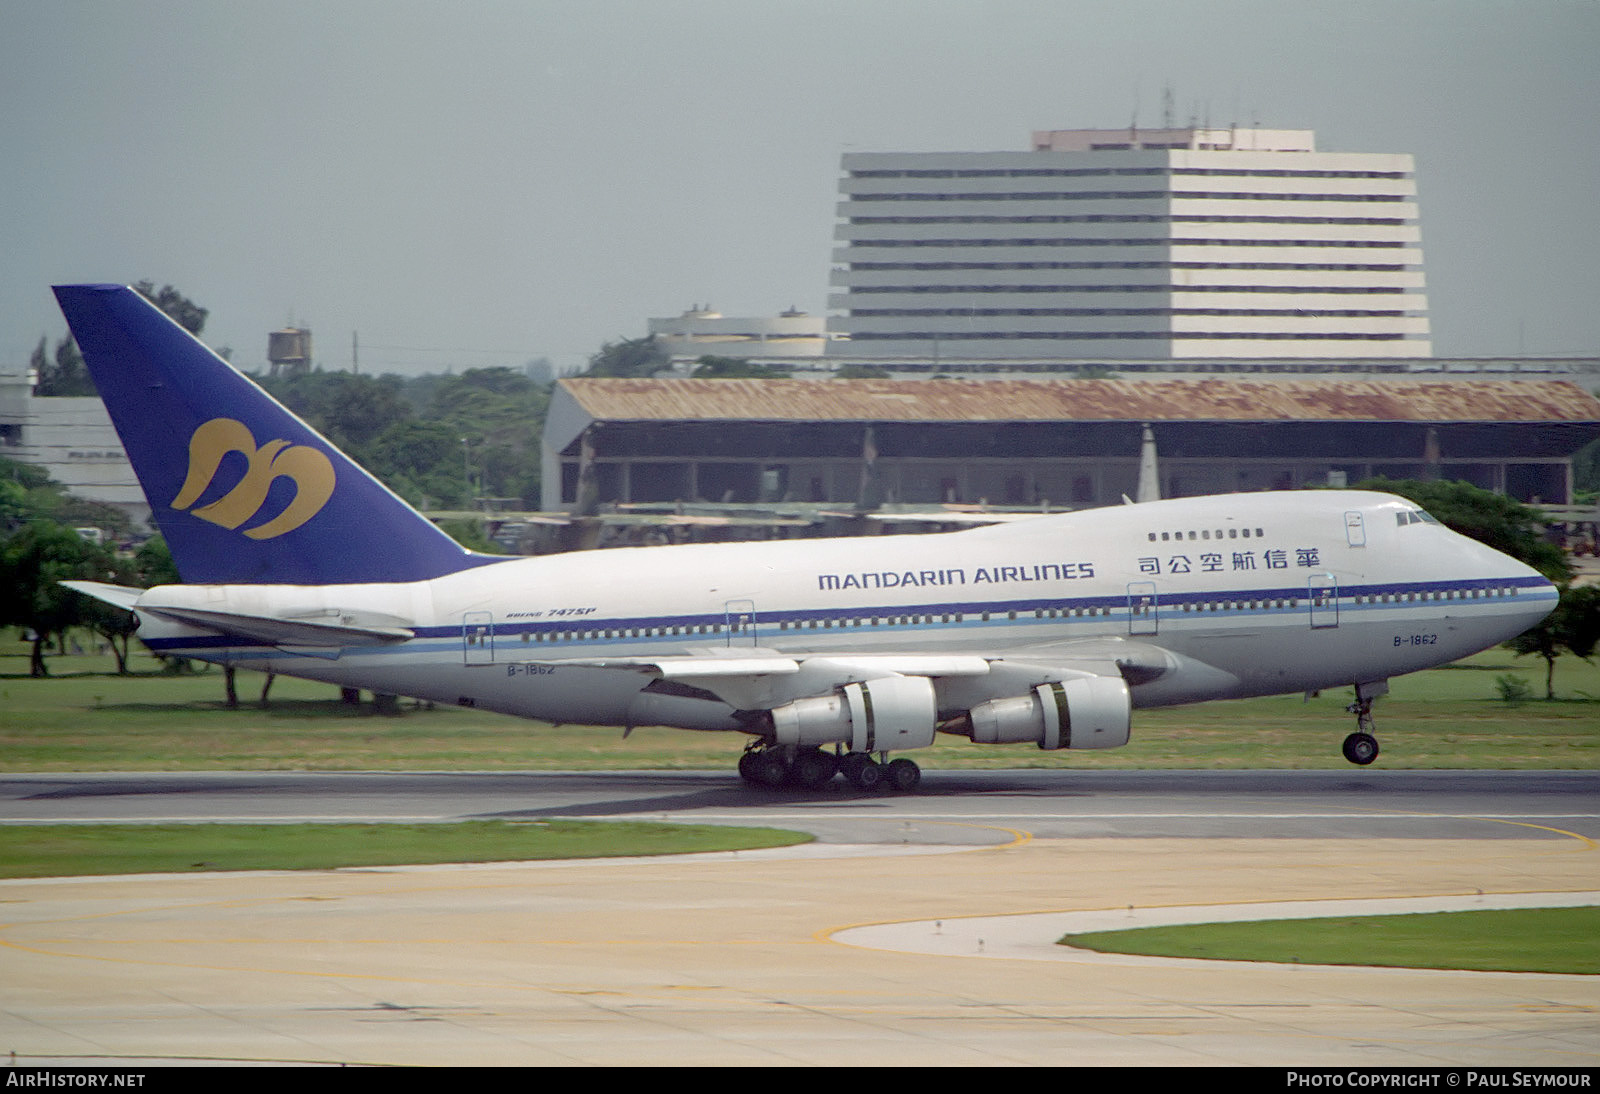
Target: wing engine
884,714
1086,711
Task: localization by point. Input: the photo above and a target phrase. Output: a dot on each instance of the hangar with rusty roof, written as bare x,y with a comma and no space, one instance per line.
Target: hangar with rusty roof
1071,443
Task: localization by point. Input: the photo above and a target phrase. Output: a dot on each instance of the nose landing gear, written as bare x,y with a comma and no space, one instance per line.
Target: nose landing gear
1361,747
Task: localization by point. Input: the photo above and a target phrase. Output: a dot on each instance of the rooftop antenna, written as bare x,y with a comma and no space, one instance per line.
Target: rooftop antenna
1167,119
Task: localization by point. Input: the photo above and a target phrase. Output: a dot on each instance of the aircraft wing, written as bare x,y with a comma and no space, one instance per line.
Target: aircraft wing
755,679
756,662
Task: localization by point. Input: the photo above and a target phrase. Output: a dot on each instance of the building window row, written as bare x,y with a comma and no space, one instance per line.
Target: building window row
1101,218
1148,241
1269,312
1122,195
1089,172
1298,290
1390,267
1118,335
1259,173
1048,195
1012,173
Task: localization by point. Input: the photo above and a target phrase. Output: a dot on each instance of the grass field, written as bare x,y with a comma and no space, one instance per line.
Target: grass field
73,850
1558,940
85,719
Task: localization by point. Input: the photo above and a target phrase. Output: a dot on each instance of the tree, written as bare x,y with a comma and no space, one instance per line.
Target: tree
113,624
1586,468
861,372
1516,530
153,565
631,357
350,409
33,563
711,366
422,462
76,512
469,533
67,374
26,493
64,374
183,311
1508,526
1574,627
499,413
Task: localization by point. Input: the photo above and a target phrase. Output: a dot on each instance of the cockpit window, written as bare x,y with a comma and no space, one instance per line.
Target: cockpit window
1414,516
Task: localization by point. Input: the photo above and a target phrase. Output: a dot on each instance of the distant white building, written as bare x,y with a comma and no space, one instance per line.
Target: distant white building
71,438
1131,244
701,331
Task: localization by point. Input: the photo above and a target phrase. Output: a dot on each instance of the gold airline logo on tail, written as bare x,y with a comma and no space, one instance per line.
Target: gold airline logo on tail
309,469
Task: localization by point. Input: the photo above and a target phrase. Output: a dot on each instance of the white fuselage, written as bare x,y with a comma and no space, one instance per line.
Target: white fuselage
1245,594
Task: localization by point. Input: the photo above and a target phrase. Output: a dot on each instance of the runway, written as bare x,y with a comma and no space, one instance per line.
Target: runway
976,807
756,958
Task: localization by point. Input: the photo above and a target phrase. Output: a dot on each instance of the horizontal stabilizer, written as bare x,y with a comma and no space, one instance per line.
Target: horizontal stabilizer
118,596
285,632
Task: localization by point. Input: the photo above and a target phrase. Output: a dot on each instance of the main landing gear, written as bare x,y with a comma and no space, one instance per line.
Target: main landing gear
1361,747
811,768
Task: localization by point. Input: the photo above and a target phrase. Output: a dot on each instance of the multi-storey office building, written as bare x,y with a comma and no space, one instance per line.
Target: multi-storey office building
1119,244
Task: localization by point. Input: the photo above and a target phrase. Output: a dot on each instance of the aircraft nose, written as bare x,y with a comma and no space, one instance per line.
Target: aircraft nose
1536,594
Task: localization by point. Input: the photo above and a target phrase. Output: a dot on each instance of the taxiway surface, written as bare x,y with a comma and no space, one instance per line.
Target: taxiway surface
746,958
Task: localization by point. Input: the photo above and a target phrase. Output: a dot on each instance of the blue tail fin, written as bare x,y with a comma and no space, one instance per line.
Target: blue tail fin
245,492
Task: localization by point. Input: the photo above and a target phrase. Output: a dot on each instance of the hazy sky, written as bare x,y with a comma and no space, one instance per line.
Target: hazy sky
467,182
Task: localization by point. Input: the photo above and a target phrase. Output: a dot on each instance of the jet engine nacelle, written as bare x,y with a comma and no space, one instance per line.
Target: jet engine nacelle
1083,712
880,715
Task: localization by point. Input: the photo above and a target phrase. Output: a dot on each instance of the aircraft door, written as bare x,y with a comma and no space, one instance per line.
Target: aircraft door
1323,591
1355,530
1142,608
741,619
477,638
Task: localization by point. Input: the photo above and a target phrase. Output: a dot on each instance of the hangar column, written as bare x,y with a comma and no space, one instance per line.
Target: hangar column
870,495
1431,454
1149,473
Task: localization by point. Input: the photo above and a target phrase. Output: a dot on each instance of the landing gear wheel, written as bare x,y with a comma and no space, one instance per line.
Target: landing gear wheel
851,762
1361,748
867,774
904,775
747,768
813,768
764,767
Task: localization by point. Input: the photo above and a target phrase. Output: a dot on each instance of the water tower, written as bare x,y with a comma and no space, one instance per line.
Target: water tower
289,351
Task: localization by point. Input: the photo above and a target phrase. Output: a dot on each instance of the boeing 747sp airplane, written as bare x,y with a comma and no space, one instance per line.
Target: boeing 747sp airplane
826,654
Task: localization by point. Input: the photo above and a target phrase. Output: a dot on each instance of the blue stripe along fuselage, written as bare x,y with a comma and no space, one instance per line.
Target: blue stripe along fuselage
592,632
